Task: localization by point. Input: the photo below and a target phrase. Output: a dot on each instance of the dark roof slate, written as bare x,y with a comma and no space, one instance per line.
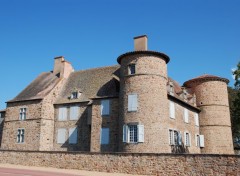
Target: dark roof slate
39,88
92,83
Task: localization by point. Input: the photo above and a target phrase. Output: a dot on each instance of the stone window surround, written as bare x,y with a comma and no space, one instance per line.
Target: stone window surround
109,108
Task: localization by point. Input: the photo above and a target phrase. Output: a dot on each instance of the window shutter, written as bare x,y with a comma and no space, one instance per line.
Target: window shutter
179,138
140,133
105,107
196,119
125,133
74,112
172,110
132,102
201,137
186,118
62,115
105,136
73,136
61,136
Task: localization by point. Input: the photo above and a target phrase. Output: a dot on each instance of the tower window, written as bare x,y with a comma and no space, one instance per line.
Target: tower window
20,136
132,69
23,114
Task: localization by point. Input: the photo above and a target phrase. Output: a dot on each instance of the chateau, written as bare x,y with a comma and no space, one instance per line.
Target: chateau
131,107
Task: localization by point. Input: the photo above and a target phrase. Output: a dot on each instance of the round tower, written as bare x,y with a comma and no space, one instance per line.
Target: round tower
143,100
215,125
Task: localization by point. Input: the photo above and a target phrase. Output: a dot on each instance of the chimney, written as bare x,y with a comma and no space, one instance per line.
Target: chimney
140,43
62,68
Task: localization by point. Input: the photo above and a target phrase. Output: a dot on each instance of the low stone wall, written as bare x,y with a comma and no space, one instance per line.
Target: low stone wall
145,164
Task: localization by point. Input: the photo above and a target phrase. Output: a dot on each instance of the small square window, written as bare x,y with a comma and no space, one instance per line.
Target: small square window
75,95
132,69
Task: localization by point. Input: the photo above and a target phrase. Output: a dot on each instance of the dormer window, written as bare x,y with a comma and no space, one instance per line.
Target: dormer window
131,69
75,95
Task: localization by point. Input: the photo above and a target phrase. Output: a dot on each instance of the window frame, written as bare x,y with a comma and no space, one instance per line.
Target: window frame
174,140
134,130
23,114
20,135
187,139
132,69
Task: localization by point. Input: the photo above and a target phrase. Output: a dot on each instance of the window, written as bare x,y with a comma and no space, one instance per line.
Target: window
172,110
73,135
132,69
133,133
75,95
104,136
197,140
186,116
20,136
61,136
175,137
62,114
105,107
74,112
132,102
196,117
187,139
22,115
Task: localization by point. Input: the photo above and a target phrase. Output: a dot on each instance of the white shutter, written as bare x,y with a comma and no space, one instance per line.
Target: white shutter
74,112
140,133
105,136
132,102
62,114
105,107
196,119
61,137
73,136
186,116
125,133
172,110
201,137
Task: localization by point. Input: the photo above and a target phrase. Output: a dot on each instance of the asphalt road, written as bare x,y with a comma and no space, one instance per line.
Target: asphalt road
26,172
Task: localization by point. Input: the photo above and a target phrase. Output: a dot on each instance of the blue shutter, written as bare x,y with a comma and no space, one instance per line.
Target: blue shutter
105,136
73,136
105,107
140,133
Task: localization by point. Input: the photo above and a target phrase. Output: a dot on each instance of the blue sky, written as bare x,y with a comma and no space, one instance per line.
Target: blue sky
200,37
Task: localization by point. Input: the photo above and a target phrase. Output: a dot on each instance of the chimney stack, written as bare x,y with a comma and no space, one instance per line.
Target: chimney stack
62,68
140,43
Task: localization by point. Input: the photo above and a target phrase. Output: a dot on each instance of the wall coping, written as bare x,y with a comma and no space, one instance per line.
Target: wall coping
123,154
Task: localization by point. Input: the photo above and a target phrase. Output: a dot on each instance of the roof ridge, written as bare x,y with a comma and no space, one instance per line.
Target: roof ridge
96,68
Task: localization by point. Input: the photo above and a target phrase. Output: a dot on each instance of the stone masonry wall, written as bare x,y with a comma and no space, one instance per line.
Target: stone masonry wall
31,126
110,121
83,139
144,164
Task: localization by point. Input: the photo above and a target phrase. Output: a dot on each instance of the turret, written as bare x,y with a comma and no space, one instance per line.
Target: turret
215,125
143,99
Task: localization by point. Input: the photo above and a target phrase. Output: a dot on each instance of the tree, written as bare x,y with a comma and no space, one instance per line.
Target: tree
235,106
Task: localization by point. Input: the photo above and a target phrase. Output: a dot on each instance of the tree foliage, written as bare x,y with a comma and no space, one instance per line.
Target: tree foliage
234,101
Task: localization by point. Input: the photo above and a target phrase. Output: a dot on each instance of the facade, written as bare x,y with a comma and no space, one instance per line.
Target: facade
132,107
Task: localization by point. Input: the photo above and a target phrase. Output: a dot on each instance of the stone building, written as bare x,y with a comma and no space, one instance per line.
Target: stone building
130,107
